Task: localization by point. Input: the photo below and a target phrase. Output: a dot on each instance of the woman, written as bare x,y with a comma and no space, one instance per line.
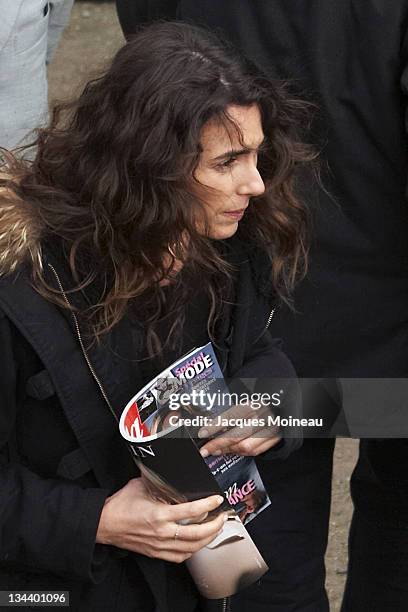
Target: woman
158,214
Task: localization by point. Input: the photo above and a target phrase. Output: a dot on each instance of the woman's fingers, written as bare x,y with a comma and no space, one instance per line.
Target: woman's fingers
218,446
245,424
252,445
255,445
187,547
192,510
192,533
240,411
190,539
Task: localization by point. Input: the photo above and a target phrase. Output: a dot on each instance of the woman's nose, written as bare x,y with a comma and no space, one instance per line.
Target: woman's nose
252,183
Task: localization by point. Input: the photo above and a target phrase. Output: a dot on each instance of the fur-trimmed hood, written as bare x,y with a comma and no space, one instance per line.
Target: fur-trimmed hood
20,234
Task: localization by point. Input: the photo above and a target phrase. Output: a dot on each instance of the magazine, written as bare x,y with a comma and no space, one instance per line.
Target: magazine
161,423
177,403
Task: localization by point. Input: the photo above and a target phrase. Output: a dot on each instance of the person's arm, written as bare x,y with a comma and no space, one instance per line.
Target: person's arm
60,11
134,13
46,524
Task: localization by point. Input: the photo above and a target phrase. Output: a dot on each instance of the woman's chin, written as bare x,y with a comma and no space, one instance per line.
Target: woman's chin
223,231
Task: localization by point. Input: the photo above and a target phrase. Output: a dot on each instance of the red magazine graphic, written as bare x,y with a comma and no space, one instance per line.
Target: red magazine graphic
133,423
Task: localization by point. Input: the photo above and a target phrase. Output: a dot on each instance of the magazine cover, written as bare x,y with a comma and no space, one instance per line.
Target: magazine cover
161,423
177,403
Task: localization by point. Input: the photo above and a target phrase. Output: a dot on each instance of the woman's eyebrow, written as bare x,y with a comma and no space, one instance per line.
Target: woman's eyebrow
237,152
233,153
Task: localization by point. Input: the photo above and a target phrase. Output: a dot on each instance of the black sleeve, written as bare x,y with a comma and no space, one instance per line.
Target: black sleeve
308,399
273,373
265,357
45,524
133,13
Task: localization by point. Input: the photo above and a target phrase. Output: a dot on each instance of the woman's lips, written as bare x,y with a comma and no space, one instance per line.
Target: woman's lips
235,214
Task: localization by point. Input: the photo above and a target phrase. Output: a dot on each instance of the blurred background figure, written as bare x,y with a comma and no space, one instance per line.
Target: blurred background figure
29,35
132,13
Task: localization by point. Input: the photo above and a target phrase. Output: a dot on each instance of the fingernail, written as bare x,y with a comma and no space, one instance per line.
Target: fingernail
203,433
220,499
204,452
217,453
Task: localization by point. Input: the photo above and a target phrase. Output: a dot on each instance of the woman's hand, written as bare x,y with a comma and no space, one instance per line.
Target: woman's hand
251,437
131,519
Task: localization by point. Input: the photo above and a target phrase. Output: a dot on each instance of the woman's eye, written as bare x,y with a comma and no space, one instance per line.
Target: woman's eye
228,162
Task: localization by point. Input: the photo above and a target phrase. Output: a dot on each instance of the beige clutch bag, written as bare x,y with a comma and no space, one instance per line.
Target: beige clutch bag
228,564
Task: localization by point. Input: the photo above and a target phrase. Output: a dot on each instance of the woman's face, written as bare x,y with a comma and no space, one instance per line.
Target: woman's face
251,502
228,166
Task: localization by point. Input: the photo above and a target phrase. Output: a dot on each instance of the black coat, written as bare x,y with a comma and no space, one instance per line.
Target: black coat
351,58
62,455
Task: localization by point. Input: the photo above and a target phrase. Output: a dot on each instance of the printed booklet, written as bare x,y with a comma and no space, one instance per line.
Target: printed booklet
161,423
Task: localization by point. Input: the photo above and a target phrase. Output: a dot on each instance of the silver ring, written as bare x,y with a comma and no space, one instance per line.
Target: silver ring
177,532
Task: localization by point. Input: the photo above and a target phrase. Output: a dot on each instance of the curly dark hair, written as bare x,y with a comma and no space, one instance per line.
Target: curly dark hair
113,173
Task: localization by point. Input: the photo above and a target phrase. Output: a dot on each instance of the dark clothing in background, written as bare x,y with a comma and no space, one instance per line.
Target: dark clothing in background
351,58
131,14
